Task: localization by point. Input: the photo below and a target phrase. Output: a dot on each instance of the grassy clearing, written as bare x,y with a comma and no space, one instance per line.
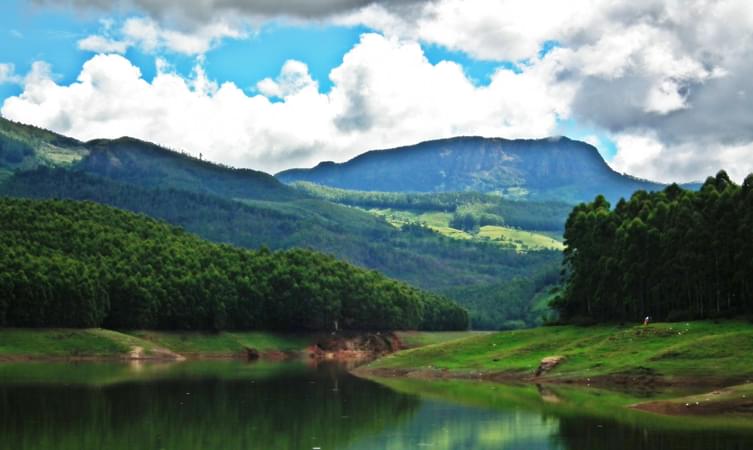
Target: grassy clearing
64,343
522,240
670,350
225,342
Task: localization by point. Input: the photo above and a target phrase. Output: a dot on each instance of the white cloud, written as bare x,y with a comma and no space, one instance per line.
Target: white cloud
385,93
486,29
641,152
101,44
153,37
294,78
8,74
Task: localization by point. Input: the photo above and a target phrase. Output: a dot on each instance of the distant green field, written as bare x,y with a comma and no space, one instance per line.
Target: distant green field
521,239
672,350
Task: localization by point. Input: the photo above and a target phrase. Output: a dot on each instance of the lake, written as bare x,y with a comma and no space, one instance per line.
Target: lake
233,405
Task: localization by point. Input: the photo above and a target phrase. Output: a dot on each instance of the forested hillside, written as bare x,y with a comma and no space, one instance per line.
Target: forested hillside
80,264
414,254
558,169
671,255
201,197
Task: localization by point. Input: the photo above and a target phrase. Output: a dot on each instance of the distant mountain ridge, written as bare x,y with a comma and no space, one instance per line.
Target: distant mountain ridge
542,169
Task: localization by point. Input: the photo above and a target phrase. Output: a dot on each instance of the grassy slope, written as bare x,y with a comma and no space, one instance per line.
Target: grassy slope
674,351
413,339
225,342
63,343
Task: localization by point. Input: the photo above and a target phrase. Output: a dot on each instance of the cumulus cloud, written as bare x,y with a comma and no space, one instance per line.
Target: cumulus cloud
152,37
101,44
643,153
385,93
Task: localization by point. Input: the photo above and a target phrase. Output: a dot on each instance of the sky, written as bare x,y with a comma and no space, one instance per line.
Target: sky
664,89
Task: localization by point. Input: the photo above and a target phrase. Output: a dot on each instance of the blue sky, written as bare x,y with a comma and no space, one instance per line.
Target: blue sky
292,86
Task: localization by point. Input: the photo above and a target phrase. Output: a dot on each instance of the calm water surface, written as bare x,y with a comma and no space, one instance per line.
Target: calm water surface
234,405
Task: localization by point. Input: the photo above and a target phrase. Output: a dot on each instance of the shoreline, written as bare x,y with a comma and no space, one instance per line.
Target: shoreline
724,396
101,345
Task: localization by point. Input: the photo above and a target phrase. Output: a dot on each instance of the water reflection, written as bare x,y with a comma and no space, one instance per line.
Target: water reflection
233,405
294,409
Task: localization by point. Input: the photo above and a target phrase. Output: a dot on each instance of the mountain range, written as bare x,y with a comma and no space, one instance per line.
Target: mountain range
496,256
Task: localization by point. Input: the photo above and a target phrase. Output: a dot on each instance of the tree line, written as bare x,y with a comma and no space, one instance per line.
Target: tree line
80,264
672,255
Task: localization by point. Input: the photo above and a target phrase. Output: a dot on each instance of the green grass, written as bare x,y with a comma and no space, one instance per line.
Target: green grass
41,343
63,343
34,343
672,350
225,342
522,240
413,339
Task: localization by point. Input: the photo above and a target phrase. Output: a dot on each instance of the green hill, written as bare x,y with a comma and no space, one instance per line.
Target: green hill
700,352
544,169
25,147
80,264
145,164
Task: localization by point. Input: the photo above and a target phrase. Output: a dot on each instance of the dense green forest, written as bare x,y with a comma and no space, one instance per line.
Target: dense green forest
412,253
671,255
80,264
521,302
